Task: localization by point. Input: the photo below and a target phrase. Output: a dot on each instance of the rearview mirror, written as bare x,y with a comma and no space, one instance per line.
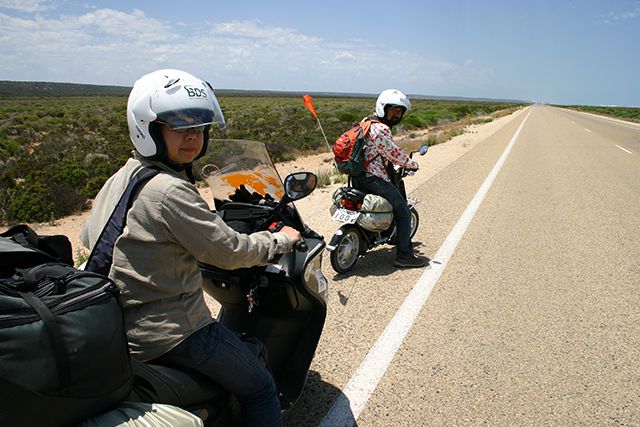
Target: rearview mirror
299,185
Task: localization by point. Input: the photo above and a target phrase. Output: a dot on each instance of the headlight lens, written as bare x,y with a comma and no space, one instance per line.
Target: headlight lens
315,279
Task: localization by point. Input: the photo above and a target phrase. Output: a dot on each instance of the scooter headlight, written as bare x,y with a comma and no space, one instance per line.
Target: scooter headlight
316,282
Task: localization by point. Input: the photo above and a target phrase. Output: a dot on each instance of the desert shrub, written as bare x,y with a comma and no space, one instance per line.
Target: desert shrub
626,113
348,117
4,205
8,147
30,200
63,149
412,121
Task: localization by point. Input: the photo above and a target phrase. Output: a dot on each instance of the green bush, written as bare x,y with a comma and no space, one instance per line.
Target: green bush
8,147
30,201
626,113
63,149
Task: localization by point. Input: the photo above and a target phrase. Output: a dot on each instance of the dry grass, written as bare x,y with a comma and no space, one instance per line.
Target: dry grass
442,133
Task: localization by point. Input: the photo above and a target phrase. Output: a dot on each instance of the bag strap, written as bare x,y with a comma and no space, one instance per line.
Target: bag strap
57,341
365,125
101,256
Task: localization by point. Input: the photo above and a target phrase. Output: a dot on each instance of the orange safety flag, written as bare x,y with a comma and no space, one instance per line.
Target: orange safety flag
307,103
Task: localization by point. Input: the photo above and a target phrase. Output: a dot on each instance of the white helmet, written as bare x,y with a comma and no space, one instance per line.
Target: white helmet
175,98
391,97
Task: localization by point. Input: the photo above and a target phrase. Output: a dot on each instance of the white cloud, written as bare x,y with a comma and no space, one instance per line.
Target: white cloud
29,6
344,56
632,14
91,48
615,17
107,46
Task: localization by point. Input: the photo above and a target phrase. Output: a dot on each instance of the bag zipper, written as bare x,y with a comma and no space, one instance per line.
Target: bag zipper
104,290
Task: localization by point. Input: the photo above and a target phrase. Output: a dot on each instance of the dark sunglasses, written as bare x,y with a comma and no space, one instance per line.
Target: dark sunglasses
195,129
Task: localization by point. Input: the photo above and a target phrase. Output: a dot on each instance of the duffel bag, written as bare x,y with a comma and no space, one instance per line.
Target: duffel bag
63,347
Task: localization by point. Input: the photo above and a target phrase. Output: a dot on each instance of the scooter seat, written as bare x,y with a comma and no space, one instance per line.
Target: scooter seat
155,383
354,194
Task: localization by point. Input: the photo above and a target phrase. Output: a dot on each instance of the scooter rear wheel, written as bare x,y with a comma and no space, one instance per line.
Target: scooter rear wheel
345,255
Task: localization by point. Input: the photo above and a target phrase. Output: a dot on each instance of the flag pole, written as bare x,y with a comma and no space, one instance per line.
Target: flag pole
308,103
325,136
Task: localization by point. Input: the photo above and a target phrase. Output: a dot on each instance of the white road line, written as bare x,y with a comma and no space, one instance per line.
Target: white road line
620,122
624,149
587,130
356,393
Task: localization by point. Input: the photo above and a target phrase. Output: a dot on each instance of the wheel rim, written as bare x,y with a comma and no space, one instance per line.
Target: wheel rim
348,249
414,222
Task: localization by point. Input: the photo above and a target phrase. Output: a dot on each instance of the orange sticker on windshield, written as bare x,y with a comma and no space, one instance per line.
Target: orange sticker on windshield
263,184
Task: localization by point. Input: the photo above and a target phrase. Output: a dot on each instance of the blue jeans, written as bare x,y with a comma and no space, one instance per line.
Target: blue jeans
216,352
401,214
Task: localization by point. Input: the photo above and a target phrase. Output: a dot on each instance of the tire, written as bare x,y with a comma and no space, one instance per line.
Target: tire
345,255
415,221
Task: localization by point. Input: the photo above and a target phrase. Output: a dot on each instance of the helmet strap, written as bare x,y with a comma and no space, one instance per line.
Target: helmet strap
205,142
188,169
387,122
158,139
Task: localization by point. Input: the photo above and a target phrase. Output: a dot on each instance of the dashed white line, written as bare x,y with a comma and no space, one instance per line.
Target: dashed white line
620,122
624,149
356,393
587,130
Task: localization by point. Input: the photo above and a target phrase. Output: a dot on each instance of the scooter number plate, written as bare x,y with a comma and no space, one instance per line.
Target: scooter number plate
346,216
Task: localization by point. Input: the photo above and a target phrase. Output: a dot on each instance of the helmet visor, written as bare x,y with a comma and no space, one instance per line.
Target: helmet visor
188,118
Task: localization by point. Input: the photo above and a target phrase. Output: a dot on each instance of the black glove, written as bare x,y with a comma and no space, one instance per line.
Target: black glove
244,196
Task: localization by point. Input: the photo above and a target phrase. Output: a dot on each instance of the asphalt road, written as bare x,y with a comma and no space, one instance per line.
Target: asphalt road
535,317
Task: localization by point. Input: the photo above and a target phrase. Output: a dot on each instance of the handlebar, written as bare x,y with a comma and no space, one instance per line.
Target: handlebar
300,245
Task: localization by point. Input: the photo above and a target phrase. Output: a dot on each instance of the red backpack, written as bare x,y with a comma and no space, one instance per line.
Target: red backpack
348,149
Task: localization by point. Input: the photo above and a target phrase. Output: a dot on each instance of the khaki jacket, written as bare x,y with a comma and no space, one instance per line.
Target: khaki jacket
169,228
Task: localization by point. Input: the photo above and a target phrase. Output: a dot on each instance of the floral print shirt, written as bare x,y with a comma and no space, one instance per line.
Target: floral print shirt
380,149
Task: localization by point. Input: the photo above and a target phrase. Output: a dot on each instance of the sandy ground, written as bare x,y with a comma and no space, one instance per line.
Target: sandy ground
315,208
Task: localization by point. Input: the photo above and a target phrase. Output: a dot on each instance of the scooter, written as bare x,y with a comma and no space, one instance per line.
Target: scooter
280,307
367,220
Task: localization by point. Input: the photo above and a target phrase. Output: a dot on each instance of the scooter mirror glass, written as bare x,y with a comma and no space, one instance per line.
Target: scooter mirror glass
423,150
299,185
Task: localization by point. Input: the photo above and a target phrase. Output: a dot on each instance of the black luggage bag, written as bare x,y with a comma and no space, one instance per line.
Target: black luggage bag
63,346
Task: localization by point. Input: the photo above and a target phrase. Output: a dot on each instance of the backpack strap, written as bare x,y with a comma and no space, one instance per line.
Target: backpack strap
365,125
101,256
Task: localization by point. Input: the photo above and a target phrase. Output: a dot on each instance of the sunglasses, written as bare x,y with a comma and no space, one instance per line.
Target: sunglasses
195,129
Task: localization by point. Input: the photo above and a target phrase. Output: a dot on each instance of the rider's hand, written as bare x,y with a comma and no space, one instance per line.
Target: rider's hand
292,234
412,166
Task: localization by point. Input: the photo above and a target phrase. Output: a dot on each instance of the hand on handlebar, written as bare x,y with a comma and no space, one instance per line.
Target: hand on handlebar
292,234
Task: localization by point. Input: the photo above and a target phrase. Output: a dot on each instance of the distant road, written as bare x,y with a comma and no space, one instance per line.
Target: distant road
534,318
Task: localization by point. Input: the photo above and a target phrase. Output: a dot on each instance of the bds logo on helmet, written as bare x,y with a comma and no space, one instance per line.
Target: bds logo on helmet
196,92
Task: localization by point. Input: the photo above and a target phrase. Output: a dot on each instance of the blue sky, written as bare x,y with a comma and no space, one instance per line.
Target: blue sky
567,52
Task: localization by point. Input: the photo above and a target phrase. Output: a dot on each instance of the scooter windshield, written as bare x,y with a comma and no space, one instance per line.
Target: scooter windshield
230,163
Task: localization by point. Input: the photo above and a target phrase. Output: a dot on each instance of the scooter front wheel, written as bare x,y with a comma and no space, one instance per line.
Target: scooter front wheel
345,255
415,221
